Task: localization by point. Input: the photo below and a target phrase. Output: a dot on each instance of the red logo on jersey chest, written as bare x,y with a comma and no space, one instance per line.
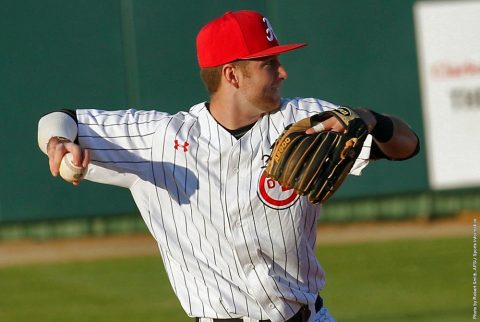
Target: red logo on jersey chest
274,195
184,145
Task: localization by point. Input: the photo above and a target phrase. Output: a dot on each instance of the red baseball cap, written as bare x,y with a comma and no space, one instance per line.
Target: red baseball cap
237,35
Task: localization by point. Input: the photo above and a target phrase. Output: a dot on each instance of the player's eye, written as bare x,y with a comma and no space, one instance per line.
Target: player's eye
271,63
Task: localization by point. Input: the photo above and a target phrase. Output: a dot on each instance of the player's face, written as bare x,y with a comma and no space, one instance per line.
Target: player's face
262,81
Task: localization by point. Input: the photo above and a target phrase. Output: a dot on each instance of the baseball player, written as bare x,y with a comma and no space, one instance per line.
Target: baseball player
235,244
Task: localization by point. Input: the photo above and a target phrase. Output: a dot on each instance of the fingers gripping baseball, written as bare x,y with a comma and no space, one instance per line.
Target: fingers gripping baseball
57,149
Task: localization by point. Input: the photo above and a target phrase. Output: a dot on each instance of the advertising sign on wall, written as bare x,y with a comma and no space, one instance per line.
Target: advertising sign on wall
448,45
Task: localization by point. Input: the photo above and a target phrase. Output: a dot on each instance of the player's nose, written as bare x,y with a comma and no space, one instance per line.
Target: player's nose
282,72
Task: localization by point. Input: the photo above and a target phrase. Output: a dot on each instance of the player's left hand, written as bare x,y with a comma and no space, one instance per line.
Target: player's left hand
330,124
316,165
333,124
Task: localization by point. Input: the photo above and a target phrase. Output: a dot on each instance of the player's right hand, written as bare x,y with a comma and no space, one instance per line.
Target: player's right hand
58,147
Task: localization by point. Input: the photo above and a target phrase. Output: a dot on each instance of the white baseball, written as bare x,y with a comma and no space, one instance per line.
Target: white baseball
69,171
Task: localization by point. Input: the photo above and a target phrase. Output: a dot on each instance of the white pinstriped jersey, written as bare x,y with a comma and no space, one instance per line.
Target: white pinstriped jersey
233,242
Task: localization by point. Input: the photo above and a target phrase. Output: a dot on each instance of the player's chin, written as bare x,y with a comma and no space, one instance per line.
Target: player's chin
270,105
274,102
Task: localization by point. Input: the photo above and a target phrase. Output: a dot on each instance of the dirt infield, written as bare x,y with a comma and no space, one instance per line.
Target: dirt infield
14,253
462,225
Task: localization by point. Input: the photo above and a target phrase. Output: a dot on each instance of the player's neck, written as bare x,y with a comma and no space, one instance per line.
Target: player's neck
232,116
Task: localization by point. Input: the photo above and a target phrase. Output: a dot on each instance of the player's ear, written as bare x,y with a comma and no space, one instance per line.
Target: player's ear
230,73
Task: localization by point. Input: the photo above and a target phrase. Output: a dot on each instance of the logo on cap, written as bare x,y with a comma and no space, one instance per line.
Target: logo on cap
237,35
270,33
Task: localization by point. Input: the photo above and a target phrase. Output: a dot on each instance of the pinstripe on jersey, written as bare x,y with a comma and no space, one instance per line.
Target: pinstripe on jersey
227,252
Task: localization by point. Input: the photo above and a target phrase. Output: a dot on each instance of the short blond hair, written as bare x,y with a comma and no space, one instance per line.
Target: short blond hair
211,76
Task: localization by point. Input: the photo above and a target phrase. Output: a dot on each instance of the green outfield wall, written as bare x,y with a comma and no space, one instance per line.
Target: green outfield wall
116,54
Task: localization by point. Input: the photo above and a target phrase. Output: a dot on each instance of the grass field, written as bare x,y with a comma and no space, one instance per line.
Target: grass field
403,280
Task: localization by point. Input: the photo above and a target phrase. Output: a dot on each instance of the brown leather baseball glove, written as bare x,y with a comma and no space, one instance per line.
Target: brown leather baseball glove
317,164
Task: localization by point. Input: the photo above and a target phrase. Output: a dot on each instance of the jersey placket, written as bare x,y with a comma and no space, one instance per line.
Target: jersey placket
237,200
